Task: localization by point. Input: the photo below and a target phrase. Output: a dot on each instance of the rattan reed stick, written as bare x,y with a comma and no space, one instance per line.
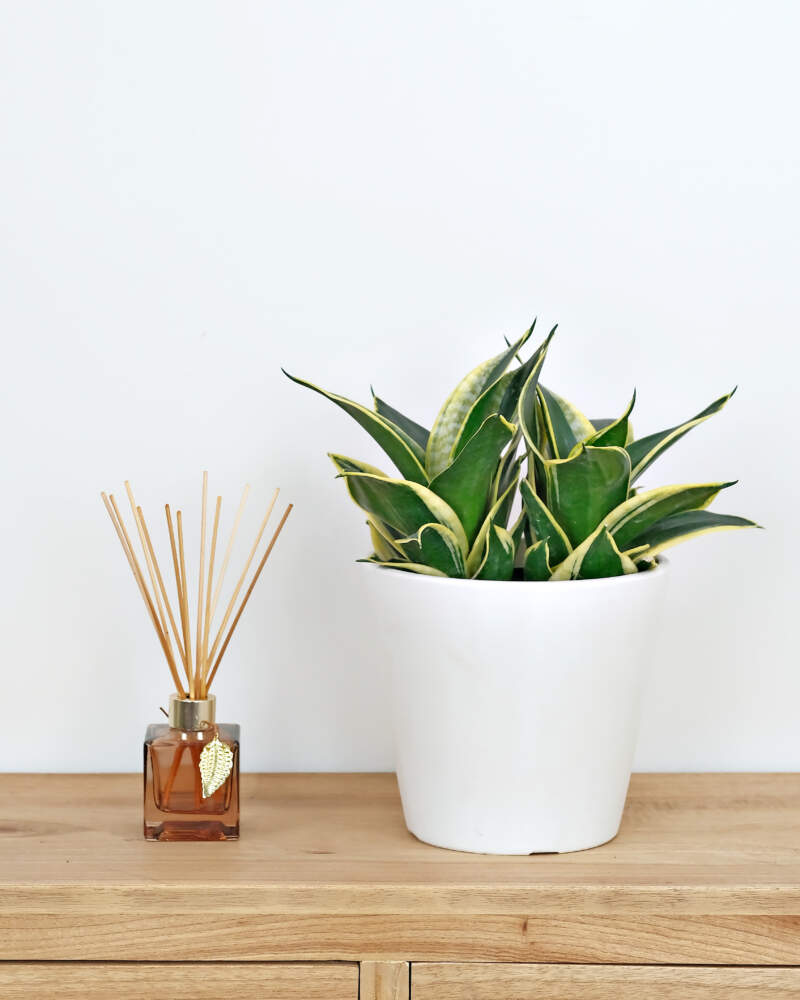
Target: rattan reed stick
246,597
200,581
198,673
232,602
228,550
175,630
151,570
187,638
207,617
122,534
187,665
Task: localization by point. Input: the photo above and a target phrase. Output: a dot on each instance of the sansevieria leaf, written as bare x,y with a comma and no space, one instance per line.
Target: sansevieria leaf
467,482
507,471
502,396
498,514
604,559
537,562
380,534
403,505
645,509
582,516
409,567
415,431
498,559
403,451
543,525
647,449
447,425
615,433
636,515
216,763
345,464
384,548
527,408
517,530
686,524
564,424
583,489
436,546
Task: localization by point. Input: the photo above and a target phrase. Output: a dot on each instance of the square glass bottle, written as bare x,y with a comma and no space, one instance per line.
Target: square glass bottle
191,774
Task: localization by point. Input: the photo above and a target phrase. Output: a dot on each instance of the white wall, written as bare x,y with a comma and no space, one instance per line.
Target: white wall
194,194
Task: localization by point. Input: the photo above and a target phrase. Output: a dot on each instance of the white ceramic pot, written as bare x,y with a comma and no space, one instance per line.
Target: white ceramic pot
516,705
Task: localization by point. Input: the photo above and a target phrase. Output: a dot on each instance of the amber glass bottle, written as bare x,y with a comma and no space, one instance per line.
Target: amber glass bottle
191,775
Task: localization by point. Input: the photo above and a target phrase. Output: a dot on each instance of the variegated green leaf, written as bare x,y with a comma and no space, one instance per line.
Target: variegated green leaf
380,533
583,489
543,525
345,464
415,431
436,546
527,409
604,559
403,505
518,530
564,424
636,515
383,541
537,562
384,547
447,425
498,514
466,484
408,567
641,512
507,469
498,559
647,449
404,452
502,396
615,433
687,524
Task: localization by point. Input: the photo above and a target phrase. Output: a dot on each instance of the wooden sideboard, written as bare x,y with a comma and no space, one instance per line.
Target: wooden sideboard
328,897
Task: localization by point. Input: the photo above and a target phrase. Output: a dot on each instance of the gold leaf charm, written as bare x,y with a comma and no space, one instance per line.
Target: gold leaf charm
216,762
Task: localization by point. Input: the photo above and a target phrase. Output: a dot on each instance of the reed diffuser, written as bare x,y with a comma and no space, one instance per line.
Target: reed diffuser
191,763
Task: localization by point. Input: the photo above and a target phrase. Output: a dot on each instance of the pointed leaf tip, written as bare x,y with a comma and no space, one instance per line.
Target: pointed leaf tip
644,451
404,452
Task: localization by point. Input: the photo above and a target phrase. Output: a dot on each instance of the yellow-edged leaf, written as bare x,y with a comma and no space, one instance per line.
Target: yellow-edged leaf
403,451
448,423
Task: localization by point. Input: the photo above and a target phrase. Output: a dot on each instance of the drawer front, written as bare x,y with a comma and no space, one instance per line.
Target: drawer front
178,981
599,982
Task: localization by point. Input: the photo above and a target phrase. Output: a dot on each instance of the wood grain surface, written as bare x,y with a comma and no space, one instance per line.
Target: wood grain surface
705,870
94,981
384,981
593,982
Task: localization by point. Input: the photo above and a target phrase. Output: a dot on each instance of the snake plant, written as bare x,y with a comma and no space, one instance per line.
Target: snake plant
581,514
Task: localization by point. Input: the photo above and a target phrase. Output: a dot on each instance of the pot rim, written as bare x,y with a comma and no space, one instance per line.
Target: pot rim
657,572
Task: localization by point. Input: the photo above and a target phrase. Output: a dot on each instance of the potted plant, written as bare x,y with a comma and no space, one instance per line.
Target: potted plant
516,699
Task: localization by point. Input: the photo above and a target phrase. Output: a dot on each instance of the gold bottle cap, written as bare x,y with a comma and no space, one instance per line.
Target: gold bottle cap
192,714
